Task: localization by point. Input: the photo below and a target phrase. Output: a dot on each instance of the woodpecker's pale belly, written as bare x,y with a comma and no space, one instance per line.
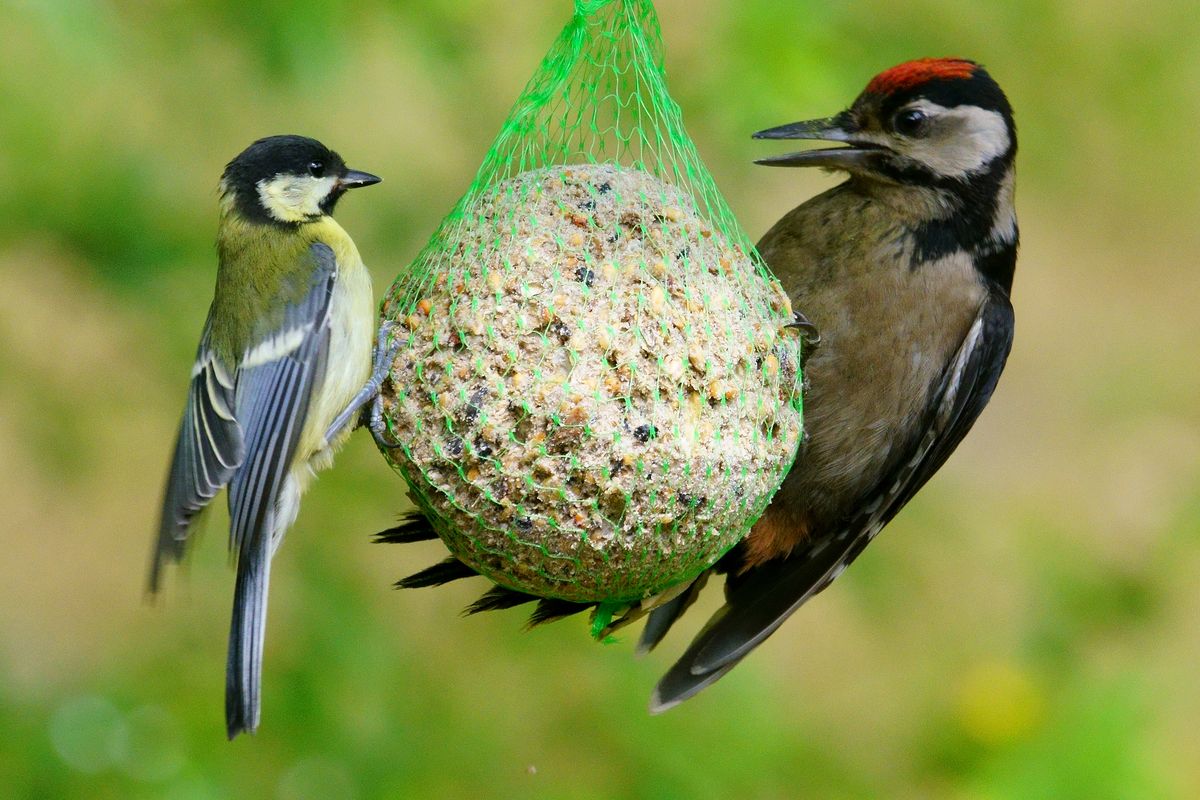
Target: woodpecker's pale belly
888,330
873,378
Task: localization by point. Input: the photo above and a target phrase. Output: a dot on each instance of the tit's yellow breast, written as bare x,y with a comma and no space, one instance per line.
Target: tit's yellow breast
351,342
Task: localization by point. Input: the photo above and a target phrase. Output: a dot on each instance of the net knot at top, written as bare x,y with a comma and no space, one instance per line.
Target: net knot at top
586,8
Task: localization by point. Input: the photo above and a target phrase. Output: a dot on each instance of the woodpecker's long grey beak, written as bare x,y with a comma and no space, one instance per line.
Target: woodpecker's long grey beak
353,179
857,154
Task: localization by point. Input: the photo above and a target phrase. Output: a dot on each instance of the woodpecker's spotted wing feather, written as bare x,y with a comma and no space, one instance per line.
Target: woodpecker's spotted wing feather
499,598
274,384
208,450
985,352
551,609
449,569
758,601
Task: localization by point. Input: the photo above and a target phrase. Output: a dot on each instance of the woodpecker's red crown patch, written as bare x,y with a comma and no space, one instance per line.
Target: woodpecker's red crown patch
922,70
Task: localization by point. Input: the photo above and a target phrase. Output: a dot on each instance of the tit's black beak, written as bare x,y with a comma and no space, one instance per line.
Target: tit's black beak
858,153
354,179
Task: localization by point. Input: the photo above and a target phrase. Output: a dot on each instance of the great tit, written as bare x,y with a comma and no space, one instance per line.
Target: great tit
285,360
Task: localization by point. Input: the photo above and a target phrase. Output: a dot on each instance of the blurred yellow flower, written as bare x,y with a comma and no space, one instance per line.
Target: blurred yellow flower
999,703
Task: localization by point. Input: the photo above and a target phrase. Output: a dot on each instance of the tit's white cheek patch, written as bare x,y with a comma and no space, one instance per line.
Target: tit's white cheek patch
294,198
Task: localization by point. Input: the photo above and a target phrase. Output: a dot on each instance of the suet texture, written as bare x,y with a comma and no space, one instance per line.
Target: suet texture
597,389
906,270
285,350
594,400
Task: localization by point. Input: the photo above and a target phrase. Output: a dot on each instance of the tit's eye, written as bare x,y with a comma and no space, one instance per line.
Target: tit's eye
316,168
909,122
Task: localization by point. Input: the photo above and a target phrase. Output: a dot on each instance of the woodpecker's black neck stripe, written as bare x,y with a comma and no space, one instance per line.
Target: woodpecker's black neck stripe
999,263
971,213
973,206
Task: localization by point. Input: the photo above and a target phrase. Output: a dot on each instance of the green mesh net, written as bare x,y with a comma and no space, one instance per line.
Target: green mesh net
596,394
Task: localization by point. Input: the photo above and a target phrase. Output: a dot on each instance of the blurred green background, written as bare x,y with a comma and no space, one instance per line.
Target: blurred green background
1028,628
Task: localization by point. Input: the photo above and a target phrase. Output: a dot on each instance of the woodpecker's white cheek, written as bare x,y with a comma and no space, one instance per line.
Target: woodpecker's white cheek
1004,223
965,139
294,198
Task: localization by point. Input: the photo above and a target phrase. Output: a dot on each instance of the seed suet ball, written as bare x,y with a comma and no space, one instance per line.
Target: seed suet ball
595,394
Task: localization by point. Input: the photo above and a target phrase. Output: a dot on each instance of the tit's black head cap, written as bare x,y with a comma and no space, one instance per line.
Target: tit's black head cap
283,155
273,156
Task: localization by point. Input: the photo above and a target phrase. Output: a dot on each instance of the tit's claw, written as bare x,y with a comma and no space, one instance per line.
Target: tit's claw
378,426
385,353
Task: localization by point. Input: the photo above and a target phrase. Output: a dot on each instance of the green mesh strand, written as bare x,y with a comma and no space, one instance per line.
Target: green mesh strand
596,395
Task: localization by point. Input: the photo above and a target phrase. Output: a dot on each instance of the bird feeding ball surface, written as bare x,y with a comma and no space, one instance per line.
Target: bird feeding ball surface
595,395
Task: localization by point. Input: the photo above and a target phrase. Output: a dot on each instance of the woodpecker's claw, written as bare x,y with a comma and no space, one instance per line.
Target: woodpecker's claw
385,353
812,336
809,335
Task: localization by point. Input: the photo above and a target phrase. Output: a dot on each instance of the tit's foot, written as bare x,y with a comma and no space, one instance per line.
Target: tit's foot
378,425
385,353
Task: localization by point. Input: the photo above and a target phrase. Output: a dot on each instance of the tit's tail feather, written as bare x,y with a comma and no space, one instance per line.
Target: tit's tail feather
413,527
243,673
442,572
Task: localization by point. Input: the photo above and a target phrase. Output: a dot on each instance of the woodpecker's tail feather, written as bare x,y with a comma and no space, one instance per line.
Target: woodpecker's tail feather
756,604
679,685
663,617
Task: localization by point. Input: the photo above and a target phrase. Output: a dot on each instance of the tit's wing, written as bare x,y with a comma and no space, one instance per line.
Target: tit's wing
276,379
758,601
208,450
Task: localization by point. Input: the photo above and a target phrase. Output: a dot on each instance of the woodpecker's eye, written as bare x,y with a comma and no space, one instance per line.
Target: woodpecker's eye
316,168
909,122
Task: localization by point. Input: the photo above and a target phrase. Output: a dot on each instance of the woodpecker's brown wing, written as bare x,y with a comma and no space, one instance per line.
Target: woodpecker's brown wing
758,601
